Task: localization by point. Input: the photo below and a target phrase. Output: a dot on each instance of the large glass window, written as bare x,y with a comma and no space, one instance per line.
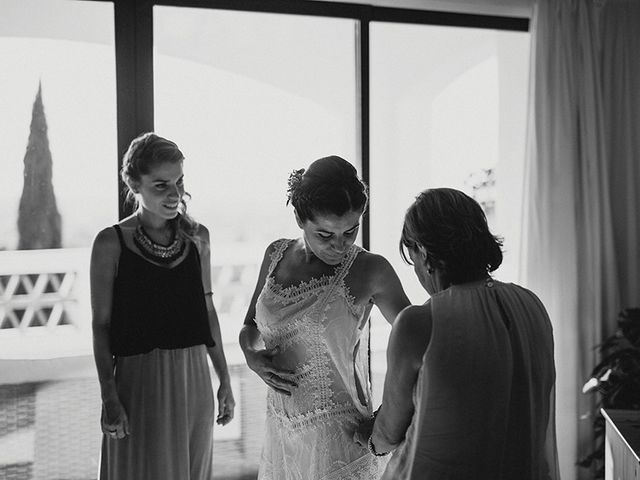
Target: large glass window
249,97
447,110
57,188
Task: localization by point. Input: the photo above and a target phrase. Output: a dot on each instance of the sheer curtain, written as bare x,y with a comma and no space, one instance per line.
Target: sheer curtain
581,225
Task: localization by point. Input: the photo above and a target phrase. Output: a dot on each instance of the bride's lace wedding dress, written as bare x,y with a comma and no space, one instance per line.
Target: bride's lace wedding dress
322,337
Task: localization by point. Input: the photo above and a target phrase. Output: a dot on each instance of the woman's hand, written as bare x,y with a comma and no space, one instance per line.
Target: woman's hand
226,404
114,421
363,432
261,362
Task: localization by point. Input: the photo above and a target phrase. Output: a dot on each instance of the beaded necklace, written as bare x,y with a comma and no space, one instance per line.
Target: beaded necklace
156,252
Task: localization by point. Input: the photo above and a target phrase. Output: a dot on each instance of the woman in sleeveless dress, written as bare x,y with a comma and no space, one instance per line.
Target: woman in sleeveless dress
153,325
305,333
469,391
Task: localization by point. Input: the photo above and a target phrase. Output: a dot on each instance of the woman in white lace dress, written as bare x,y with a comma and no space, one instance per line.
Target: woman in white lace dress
305,333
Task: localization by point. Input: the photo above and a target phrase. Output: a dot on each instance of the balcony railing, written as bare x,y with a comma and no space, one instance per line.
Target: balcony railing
44,303
45,307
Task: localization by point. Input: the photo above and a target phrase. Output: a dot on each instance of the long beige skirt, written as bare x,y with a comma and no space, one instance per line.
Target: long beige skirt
169,401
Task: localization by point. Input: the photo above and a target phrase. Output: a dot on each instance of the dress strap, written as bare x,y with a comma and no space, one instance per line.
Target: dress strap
340,272
279,249
120,237
345,265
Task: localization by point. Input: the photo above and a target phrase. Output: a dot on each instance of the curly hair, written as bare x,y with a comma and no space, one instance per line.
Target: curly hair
453,230
145,152
329,186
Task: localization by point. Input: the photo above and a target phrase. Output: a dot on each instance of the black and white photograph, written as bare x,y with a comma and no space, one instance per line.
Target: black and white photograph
319,239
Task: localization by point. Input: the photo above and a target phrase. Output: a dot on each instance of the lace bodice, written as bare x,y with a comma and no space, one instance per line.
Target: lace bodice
322,338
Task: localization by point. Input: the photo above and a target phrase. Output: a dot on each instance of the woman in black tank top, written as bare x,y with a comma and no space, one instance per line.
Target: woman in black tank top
153,325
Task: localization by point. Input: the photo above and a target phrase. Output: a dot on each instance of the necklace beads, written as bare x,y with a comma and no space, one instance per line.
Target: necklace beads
156,252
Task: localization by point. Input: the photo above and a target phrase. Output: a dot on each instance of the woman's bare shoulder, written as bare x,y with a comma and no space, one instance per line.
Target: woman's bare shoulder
202,232
374,272
414,317
105,250
271,249
106,240
372,263
411,331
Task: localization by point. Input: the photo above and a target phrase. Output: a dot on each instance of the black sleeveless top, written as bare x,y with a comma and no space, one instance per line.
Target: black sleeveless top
157,307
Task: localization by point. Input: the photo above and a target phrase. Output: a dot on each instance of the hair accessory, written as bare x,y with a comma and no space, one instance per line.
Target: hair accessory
295,178
156,252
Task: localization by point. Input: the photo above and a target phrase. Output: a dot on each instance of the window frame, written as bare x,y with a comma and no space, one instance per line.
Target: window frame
134,58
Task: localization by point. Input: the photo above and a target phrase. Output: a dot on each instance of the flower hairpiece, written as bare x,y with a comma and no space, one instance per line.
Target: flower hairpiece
295,178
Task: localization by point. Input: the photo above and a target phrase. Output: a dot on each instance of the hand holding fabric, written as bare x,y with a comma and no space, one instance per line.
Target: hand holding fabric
363,432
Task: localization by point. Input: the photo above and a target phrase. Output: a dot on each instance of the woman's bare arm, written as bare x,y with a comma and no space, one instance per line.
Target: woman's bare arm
387,292
408,342
104,259
226,402
259,359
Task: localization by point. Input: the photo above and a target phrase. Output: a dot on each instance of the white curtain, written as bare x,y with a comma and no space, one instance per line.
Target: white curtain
581,225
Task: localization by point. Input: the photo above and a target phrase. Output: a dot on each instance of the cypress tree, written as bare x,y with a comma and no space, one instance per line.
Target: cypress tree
39,222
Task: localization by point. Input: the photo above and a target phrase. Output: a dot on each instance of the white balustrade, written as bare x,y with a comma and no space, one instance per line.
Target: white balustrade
45,310
44,303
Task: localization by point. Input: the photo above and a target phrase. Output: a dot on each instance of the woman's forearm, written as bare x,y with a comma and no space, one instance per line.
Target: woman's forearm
219,362
407,343
390,427
249,338
104,362
216,353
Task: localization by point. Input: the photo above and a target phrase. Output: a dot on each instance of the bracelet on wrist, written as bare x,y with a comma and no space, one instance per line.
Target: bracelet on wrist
372,449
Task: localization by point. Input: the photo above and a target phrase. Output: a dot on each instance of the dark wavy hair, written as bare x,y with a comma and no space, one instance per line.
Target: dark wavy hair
453,230
329,186
145,152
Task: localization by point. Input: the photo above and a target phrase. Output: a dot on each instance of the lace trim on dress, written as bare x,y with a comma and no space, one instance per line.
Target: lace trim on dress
313,377
320,396
313,418
295,331
341,286
290,331
344,292
365,467
314,382
292,293
278,252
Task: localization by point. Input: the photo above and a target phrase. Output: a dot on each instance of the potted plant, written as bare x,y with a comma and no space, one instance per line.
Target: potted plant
616,380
